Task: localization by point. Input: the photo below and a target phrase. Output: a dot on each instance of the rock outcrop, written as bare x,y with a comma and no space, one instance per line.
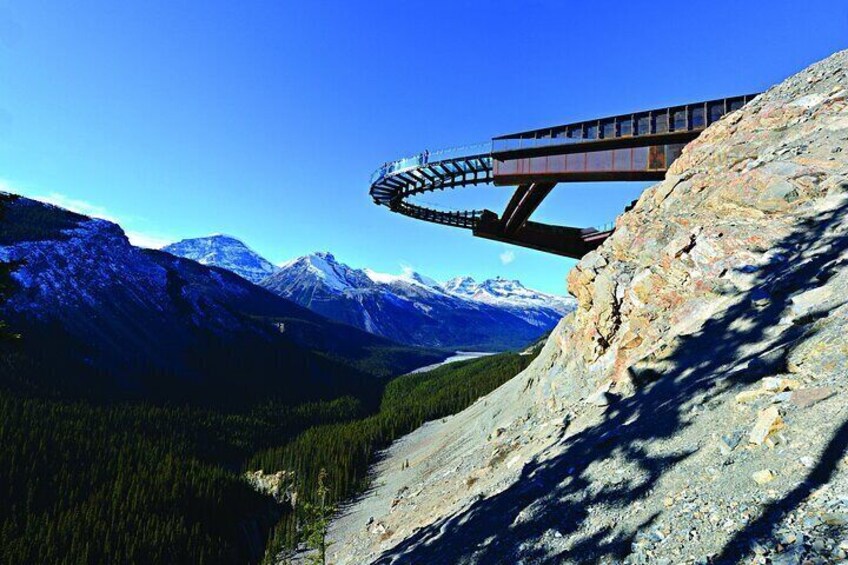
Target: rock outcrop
692,409
279,485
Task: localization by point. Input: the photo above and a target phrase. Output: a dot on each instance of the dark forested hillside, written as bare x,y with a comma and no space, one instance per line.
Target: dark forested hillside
134,482
344,450
127,406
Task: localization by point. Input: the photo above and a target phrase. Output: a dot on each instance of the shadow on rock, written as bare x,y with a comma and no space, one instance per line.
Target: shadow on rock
725,355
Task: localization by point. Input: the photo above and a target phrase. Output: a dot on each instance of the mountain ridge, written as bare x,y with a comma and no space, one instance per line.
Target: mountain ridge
413,308
409,307
221,250
139,319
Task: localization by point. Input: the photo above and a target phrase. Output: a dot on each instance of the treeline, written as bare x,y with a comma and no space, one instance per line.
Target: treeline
122,482
345,450
138,483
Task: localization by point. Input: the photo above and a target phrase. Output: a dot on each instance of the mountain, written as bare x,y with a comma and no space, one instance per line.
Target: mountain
415,309
410,308
693,408
535,307
225,252
98,314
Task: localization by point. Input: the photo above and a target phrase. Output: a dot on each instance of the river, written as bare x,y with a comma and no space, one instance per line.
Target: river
458,356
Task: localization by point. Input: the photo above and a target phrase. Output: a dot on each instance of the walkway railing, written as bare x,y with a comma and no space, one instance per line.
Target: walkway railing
670,120
426,157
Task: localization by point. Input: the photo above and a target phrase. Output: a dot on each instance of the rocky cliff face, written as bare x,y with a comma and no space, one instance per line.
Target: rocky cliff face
692,409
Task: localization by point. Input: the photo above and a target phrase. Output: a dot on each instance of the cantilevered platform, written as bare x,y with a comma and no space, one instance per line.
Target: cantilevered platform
628,147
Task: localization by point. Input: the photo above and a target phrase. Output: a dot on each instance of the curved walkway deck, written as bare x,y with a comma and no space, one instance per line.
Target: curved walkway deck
637,146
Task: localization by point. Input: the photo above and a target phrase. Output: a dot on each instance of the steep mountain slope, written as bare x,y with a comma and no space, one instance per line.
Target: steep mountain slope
97,313
414,309
692,409
225,252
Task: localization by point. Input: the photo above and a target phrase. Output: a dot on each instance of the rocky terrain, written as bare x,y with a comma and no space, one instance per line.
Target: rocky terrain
692,409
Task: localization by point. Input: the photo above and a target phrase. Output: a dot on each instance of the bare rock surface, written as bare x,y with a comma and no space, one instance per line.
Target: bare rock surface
693,409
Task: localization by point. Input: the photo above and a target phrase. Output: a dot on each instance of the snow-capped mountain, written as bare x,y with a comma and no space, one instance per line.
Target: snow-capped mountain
225,252
92,307
512,295
323,268
410,308
415,309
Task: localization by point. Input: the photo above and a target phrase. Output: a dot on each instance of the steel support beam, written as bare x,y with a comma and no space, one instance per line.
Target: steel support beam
560,240
517,197
525,207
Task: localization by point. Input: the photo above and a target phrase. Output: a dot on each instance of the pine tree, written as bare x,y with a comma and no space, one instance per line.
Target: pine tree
317,521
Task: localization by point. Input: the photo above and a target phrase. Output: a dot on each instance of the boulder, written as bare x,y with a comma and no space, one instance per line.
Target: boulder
768,422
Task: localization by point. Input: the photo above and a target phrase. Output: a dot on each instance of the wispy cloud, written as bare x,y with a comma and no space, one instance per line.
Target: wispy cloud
507,257
407,270
75,205
146,240
137,238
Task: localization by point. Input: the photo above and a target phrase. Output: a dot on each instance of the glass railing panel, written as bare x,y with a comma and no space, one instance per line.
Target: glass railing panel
556,163
656,157
506,144
640,158
697,117
463,151
509,167
672,152
679,119
643,125
716,110
538,165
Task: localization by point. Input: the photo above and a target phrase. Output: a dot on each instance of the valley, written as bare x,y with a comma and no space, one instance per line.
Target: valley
186,375
278,286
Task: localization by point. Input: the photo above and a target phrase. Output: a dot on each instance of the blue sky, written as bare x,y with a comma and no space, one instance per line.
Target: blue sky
265,119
